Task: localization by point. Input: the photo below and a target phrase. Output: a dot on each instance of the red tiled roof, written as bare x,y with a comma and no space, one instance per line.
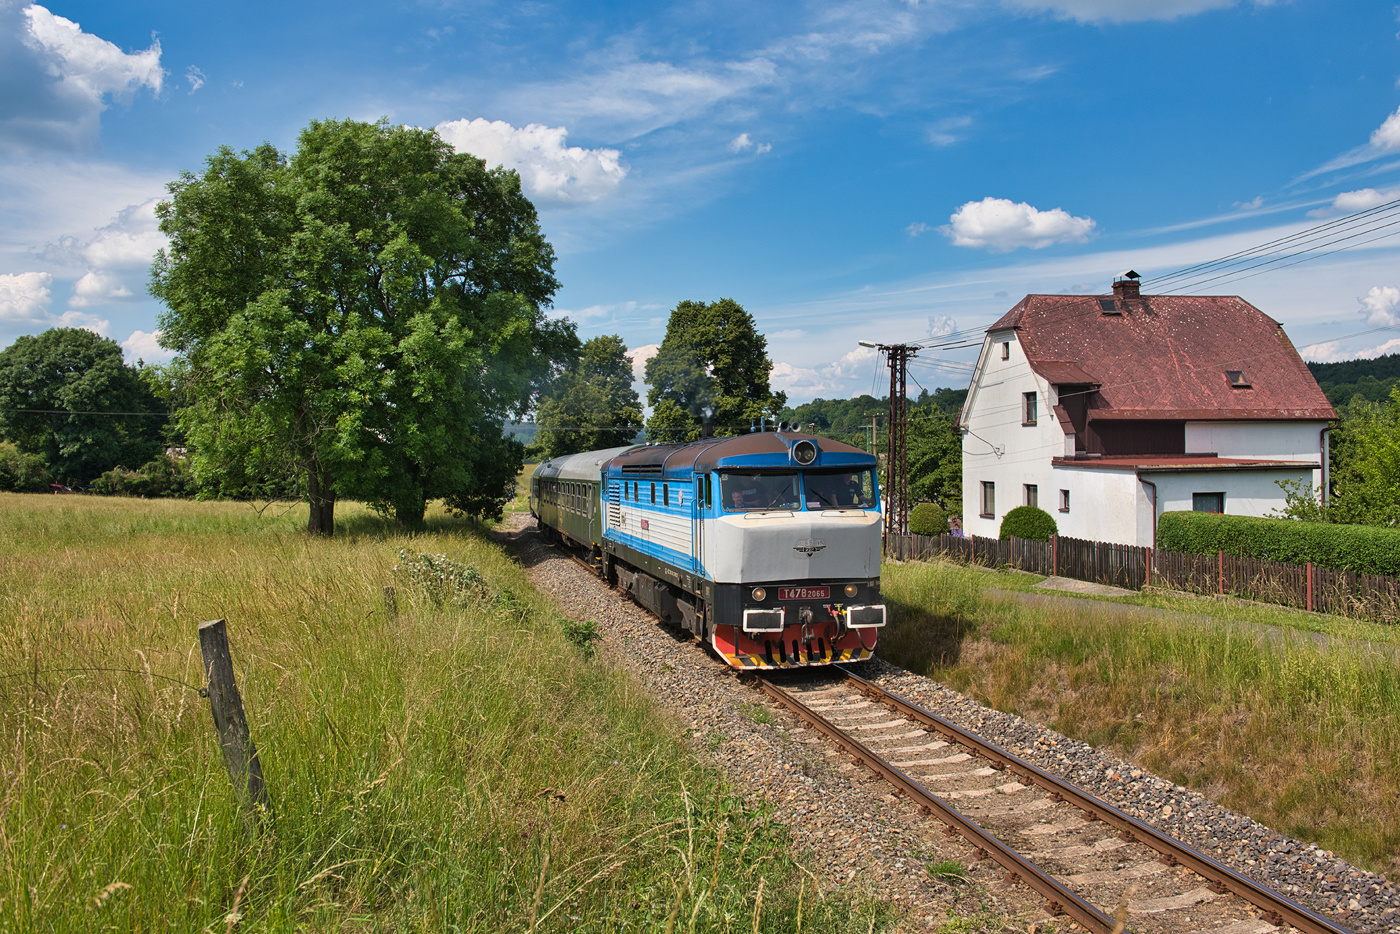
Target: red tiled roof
1164,463
1166,356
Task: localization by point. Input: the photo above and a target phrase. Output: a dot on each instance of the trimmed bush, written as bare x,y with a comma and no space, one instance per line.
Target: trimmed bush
1029,522
21,472
928,519
1366,549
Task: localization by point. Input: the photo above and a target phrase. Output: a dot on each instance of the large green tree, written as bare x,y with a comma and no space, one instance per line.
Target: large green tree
935,458
67,396
363,315
592,405
1365,471
713,364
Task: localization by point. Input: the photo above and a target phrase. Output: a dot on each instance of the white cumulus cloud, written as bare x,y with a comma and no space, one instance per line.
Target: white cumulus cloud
640,356
1362,199
1381,306
57,79
24,306
549,170
1000,225
25,297
117,257
145,346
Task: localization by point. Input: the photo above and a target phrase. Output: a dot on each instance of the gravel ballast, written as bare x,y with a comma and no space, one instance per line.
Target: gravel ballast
857,833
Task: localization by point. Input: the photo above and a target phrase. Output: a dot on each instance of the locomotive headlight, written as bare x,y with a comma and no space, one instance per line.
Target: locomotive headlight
804,452
759,594
851,590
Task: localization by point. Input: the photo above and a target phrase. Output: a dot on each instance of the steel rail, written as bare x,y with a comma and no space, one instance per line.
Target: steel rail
1277,908
1059,899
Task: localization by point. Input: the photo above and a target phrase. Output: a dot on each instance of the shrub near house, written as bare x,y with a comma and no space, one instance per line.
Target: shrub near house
1362,548
1028,522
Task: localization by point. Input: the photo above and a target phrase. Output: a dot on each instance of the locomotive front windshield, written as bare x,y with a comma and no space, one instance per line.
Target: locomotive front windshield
787,490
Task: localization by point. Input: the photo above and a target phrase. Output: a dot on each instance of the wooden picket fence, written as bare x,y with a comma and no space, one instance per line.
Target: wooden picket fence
1304,586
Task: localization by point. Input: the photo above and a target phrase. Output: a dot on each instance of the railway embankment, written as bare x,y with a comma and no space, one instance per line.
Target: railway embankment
859,833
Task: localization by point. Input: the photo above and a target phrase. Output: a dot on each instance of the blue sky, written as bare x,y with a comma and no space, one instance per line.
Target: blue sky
886,171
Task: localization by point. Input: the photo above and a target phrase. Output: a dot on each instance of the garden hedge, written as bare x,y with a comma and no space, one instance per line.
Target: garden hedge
1367,549
1029,522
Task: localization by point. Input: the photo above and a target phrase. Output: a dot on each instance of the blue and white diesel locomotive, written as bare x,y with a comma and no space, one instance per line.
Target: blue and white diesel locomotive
766,546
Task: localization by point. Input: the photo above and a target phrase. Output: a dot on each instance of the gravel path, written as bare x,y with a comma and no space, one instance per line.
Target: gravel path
858,834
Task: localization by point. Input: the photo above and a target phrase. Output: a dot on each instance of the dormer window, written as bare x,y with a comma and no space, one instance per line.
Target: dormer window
1237,379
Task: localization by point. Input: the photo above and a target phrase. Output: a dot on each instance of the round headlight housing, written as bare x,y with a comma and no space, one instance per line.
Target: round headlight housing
804,452
759,595
851,590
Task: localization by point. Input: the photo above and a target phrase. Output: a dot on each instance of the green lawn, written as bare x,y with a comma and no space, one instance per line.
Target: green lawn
461,766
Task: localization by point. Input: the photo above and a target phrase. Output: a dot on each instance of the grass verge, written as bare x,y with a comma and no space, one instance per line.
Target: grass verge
1239,702
460,765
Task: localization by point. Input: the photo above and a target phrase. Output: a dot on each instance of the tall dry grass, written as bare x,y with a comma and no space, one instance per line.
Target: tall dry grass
1298,731
457,767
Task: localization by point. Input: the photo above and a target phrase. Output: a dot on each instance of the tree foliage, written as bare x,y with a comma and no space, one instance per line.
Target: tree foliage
67,397
592,405
712,364
935,459
1365,474
359,318
21,472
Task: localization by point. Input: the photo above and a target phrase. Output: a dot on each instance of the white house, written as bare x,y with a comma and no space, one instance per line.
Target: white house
1108,411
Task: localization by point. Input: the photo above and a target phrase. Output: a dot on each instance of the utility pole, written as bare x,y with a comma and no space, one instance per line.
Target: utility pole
896,437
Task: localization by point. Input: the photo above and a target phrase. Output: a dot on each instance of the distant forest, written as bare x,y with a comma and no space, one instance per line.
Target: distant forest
849,419
1370,379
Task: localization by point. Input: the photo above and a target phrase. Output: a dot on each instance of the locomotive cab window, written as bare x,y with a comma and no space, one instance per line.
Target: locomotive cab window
840,489
755,492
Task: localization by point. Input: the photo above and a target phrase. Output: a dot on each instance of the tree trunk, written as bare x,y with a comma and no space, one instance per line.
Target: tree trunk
322,499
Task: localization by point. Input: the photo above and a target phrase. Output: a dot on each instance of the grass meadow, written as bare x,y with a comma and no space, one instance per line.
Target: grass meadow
459,766
1245,704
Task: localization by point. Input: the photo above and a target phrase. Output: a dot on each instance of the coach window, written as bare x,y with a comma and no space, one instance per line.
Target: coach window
665,494
653,492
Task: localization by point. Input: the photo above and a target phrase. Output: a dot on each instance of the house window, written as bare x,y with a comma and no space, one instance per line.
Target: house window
989,499
1208,502
1032,494
1006,350
1028,408
1064,501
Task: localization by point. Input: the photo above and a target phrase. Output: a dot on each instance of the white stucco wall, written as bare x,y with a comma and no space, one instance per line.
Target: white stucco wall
1269,439
1247,492
1104,505
993,424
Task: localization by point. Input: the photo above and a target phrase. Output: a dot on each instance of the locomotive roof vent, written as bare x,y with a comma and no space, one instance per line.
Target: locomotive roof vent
804,452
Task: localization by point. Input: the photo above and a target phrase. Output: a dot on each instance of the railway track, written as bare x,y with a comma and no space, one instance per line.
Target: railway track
1083,856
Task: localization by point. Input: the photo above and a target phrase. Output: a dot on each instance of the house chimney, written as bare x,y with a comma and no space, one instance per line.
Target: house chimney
1125,285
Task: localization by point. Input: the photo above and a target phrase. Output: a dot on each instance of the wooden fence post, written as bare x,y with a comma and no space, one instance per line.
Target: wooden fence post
1054,556
225,703
1220,556
1310,586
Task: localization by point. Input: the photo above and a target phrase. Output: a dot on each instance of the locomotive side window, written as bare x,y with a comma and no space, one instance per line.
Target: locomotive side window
665,494
844,489
754,492
653,492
